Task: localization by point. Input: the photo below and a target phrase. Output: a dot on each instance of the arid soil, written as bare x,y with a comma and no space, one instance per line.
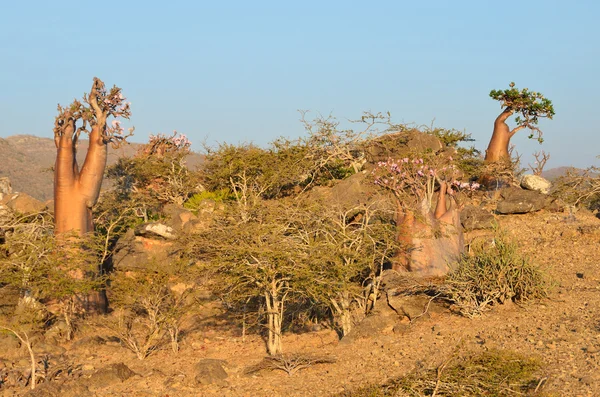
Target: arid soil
563,331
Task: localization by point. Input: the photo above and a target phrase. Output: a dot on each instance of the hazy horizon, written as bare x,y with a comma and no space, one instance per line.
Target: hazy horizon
240,71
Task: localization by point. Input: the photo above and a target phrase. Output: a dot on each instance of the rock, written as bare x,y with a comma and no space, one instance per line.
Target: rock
5,187
22,203
48,349
137,252
411,306
400,144
114,373
536,183
519,201
475,218
356,190
177,217
210,371
155,229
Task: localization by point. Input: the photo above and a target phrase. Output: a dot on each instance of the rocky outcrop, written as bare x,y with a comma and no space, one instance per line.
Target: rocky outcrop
210,371
475,218
138,252
519,201
22,203
536,183
401,144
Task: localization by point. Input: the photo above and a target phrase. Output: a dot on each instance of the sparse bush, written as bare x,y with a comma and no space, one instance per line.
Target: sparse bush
493,273
579,188
289,363
148,312
494,373
60,274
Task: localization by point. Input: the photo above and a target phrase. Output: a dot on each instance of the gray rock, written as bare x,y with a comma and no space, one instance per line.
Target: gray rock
155,229
518,201
475,218
139,252
114,373
536,183
210,371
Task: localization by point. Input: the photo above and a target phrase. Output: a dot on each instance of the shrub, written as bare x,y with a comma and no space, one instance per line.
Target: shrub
494,273
147,310
489,373
194,203
579,188
46,270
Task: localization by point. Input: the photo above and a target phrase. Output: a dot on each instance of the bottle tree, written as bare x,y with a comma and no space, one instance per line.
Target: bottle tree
76,190
529,106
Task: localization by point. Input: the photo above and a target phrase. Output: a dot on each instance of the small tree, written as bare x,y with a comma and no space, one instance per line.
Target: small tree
529,106
147,310
155,176
76,190
35,264
347,248
252,260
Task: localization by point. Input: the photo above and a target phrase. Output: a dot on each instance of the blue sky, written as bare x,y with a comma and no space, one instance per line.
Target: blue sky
239,71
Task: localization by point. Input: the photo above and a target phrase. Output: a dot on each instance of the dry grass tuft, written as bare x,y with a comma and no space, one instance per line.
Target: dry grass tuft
493,373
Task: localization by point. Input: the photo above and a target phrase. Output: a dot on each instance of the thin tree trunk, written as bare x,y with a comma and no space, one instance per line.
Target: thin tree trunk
346,316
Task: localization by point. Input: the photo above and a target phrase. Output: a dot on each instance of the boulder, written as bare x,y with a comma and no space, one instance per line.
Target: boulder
356,190
210,371
177,217
154,230
400,144
133,252
519,201
475,218
536,183
22,203
113,373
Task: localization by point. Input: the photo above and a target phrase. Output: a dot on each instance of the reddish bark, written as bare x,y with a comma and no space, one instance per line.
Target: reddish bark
76,190
500,141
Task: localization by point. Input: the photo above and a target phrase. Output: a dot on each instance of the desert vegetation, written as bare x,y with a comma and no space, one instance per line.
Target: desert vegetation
331,234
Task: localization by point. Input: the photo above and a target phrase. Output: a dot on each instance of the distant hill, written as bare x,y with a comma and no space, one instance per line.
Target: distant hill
555,173
28,160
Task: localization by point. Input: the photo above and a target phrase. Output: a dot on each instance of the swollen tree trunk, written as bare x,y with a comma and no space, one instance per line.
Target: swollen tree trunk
498,147
75,192
427,242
